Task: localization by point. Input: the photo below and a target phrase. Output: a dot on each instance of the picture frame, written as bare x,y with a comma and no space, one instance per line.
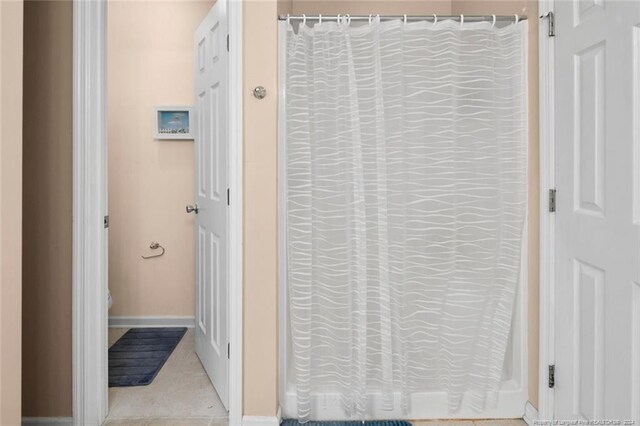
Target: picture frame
173,123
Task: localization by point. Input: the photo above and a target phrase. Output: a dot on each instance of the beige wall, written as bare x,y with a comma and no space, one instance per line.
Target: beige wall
150,63
260,200
529,8
47,190
366,7
11,39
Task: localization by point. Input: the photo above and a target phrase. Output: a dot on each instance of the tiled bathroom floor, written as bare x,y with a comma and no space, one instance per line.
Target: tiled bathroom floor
181,393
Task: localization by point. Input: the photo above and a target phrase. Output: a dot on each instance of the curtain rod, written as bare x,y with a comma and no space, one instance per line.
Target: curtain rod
466,18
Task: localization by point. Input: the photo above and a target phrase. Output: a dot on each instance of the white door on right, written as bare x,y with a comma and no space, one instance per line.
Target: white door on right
212,197
597,134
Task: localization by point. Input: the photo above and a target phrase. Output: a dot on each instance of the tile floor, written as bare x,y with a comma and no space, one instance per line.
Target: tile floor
182,395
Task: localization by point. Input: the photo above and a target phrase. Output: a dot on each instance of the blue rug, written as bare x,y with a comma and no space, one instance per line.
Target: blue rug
137,357
290,422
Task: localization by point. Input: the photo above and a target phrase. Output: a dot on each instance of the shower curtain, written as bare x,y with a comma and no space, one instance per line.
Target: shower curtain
406,198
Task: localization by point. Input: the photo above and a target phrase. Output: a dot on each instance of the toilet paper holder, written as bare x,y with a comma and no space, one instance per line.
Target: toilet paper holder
154,246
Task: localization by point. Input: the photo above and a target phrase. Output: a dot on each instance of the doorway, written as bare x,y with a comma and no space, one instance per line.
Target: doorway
161,275
90,260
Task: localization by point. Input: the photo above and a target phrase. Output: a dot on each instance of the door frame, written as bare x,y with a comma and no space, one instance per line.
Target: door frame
89,281
546,89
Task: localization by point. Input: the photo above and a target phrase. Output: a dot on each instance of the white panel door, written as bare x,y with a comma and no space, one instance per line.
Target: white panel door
212,235
598,209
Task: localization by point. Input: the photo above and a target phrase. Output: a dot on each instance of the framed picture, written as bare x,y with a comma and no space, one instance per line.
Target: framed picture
173,123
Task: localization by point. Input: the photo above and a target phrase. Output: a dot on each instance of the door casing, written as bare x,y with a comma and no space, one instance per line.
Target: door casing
546,88
596,344
547,309
89,283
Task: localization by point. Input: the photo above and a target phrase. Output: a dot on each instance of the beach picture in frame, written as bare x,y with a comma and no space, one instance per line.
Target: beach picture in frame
173,123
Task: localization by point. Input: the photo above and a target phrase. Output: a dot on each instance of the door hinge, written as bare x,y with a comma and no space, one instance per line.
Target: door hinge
552,23
228,201
552,200
227,42
228,350
552,376
106,221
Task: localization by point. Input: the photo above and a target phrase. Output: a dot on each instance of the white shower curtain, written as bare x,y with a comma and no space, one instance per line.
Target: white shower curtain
406,198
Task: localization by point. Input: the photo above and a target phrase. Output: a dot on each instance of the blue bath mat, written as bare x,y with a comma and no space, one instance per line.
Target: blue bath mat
137,357
347,423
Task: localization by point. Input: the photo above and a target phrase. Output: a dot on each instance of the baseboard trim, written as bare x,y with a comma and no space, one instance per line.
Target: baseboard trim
47,421
132,322
260,421
530,414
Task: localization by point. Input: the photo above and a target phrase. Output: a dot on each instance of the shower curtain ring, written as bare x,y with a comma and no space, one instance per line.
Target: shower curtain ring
405,18
288,19
493,24
320,18
348,18
461,20
517,18
435,19
339,19
304,19
370,19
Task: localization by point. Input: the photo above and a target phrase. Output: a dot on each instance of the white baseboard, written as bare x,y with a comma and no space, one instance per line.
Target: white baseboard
530,414
47,421
133,322
260,421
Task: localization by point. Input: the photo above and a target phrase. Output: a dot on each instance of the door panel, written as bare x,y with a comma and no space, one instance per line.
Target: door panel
211,82
597,312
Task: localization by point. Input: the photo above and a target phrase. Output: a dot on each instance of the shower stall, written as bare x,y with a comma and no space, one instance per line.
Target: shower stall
403,153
